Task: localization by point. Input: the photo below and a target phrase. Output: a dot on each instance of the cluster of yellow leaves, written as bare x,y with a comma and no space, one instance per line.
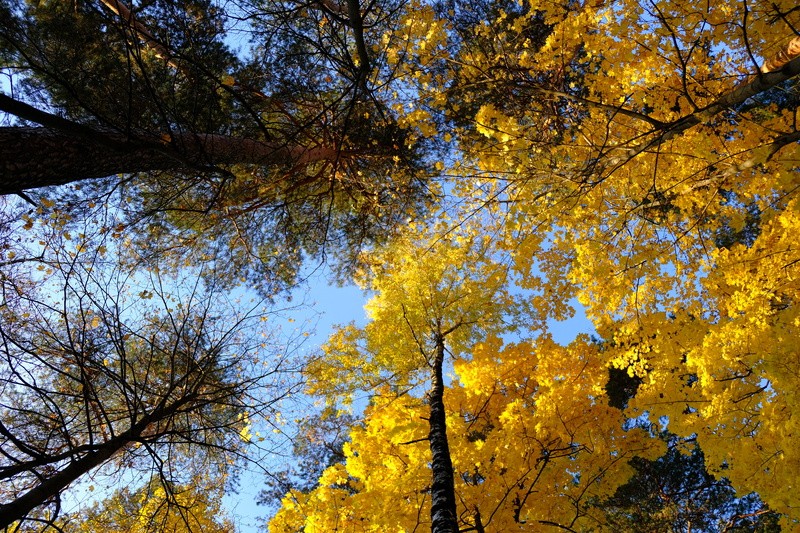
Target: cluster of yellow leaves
150,509
531,437
410,49
726,368
672,219
423,283
530,431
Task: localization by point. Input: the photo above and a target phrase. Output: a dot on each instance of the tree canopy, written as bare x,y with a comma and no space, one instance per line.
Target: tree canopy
481,169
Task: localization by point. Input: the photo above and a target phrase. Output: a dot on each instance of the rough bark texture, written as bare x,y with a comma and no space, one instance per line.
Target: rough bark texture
33,157
443,492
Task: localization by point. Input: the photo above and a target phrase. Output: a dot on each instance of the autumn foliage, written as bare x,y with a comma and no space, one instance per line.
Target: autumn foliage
484,170
638,158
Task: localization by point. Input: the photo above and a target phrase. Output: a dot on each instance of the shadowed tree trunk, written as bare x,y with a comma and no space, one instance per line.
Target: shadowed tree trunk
40,157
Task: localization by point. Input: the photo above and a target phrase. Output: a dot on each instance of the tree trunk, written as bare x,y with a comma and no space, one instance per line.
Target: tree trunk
443,492
52,486
786,54
33,157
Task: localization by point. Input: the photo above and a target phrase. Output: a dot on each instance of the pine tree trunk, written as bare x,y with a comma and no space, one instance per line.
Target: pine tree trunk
443,492
33,157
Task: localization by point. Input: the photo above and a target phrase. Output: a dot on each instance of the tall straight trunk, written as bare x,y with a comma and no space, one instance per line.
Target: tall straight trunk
33,157
443,491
